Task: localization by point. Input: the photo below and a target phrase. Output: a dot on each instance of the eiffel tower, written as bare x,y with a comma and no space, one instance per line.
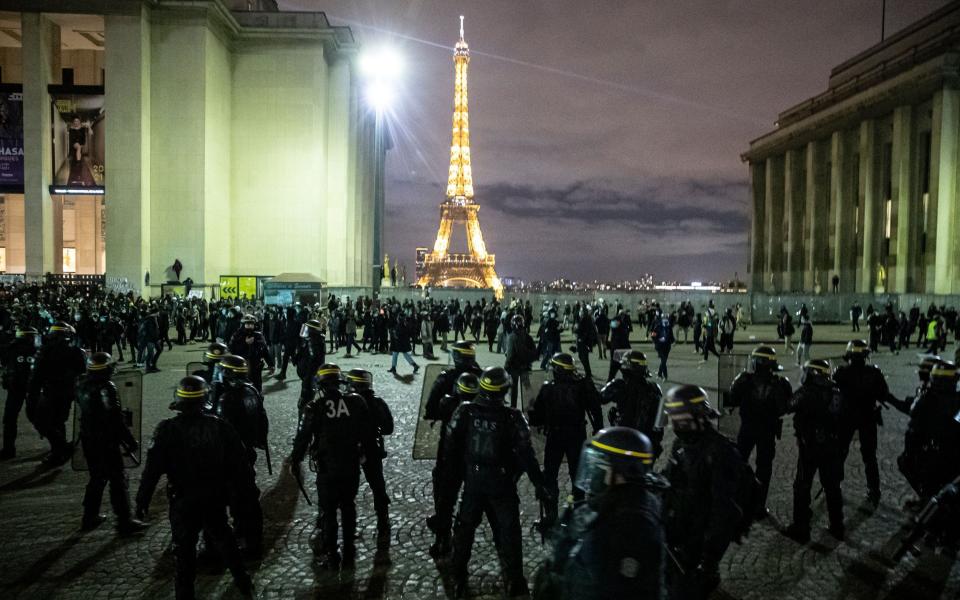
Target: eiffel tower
476,268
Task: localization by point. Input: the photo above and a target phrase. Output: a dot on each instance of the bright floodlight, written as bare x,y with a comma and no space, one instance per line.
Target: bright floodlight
382,63
379,95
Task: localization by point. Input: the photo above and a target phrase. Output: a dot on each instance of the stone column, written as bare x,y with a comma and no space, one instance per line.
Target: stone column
773,223
817,218
870,204
944,158
41,51
842,189
904,200
127,159
338,145
758,240
794,201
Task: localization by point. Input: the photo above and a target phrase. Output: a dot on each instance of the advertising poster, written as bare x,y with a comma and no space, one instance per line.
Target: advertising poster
11,138
78,144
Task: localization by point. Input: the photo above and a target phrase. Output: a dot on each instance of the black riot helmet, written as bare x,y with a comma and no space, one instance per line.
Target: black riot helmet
464,354
943,376
100,364
312,329
857,351
215,352
191,394
359,379
927,365
634,362
26,332
764,359
688,408
494,384
62,330
233,368
816,371
516,322
622,451
328,375
468,386
561,364
248,322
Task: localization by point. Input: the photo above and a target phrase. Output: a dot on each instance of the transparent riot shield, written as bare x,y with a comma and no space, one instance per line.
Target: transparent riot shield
530,384
130,390
529,392
730,365
427,434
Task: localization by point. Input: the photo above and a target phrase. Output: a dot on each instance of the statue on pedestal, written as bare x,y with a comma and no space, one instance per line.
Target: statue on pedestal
881,279
385,280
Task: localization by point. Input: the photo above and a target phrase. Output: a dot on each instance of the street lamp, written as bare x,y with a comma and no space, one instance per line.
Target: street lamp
381,69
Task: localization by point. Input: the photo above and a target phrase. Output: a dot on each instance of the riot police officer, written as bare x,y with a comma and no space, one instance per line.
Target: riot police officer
53,389
105,438
445,387
862,387
464,361
241,405
360,381
636,400
931,449
816,407
249,343
927,363
211,358
488,447
701,512
18,360
762,397
611,545
335,429
467,388
559,412
202,457
310,355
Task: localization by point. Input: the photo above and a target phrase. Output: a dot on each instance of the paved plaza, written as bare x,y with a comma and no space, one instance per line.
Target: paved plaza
44,555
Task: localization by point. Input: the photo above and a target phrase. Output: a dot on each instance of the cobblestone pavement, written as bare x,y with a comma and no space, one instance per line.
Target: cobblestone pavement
45,556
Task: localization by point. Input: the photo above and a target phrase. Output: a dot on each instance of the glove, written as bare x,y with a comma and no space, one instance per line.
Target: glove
543,494
707,575
141,513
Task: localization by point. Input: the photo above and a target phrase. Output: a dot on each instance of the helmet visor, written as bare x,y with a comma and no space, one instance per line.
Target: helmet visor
595,472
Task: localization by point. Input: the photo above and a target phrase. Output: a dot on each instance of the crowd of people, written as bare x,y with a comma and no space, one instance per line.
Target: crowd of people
627,531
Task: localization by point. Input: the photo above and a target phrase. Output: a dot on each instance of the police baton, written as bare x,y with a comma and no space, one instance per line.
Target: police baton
676,561
266,453
295,469
542,525
128,452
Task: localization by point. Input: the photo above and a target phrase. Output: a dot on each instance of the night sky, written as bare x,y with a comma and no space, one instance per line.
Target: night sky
605,135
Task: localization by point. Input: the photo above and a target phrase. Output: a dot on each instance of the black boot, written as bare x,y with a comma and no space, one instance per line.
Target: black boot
798,533
129,527
92,521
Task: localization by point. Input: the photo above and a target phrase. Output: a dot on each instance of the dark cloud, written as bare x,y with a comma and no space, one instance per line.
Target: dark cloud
605,136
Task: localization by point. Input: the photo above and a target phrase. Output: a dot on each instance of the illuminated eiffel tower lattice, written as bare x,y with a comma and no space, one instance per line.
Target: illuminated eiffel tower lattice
476,268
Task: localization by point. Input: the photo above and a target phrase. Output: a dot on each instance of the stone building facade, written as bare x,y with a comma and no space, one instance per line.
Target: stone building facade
234,138
861,182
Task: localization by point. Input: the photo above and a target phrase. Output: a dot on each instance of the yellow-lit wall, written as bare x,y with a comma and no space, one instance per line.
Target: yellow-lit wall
177,142
216,160
281,210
